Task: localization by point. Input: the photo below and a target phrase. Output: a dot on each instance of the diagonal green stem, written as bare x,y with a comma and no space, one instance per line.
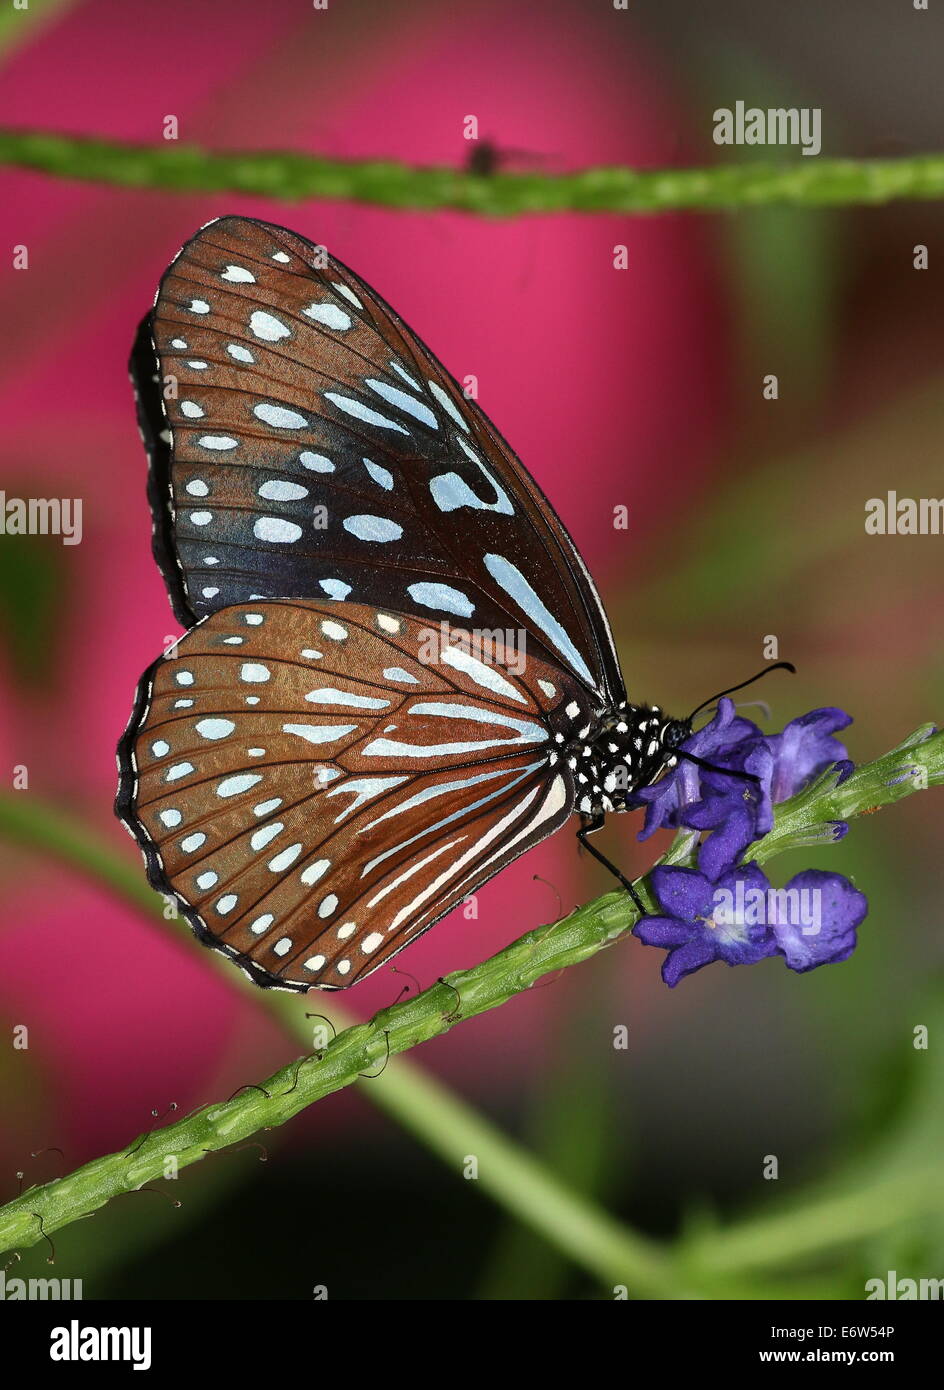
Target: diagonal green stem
389,183
592,1239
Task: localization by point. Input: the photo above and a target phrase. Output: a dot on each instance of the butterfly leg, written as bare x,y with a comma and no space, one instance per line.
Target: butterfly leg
590,825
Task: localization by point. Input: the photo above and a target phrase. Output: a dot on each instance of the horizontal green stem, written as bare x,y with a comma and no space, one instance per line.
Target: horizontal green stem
291,176
593,1241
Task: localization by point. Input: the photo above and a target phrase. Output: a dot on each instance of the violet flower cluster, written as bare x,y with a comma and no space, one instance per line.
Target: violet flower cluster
726,909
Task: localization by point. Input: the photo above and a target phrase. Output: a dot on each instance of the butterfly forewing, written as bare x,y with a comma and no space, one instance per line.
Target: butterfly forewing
318,784
305,443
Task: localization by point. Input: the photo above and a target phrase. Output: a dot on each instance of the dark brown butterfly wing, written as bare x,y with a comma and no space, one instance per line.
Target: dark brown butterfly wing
318,784
305,443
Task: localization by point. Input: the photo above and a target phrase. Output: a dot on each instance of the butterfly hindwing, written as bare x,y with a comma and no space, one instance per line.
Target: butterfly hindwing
305,443
319,783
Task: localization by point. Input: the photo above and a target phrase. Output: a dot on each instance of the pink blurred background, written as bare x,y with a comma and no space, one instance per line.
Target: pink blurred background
637,388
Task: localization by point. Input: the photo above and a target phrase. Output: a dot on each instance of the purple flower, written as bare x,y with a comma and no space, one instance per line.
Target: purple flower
701,924
754,772
814,919
741,919
738,811
805,748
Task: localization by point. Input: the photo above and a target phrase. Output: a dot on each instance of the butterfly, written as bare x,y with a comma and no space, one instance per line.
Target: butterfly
398,674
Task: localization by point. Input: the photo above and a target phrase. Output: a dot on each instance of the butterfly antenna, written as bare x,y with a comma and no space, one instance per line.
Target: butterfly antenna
712,767
777,666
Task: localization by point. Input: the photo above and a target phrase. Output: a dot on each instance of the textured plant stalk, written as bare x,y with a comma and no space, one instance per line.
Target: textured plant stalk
385,183
365,1048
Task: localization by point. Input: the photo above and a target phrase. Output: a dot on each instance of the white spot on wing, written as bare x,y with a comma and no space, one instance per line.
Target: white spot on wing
442,596
237,275
241,782
448,404
316,462
517,587
215,728
327,696
217,441
260,838
330,315
348,293
483,674
276,490
353,407
372,528
285,858
276,530
319,733
380,475
335,588
403,401
268,327
279,417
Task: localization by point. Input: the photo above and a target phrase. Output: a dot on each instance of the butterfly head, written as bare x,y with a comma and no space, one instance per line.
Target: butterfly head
660,736
647,743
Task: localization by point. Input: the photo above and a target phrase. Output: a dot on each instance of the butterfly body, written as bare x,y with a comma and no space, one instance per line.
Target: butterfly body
398,675
626,750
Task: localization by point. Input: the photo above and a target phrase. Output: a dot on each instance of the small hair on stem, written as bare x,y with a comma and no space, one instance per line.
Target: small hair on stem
454,1013
50,1259
536,878
372,1075
398,970
325,1019
157,1119
248,1086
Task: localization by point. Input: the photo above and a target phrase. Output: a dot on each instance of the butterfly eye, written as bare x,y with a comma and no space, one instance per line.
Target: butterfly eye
676,731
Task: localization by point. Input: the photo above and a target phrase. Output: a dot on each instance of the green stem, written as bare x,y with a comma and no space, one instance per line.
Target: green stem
388,183
797,1233
592,1239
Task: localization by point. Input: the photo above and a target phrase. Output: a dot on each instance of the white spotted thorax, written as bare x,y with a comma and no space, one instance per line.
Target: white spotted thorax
614,758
